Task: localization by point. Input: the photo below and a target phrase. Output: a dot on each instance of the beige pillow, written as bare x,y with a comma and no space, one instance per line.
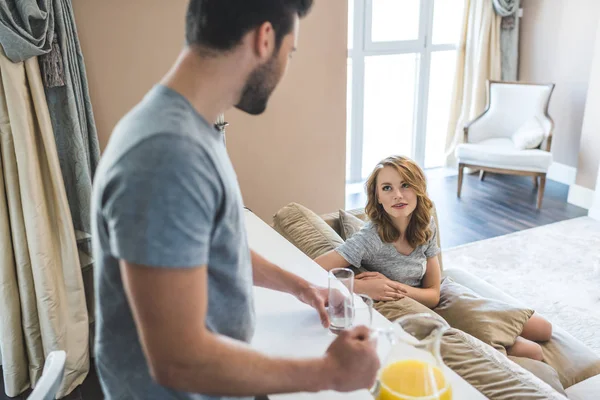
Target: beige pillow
490,371
306,230
350,224
573,361
542,371
481,366
392,310
491,321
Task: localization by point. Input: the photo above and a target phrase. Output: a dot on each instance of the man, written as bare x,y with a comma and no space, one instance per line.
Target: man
174,275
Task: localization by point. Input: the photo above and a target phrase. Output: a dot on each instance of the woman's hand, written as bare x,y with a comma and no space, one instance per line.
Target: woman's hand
381,289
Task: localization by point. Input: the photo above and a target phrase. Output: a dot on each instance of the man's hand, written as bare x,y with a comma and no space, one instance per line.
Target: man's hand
352,360
317,298
268,275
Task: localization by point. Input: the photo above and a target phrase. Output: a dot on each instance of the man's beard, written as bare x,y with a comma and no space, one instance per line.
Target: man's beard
258,88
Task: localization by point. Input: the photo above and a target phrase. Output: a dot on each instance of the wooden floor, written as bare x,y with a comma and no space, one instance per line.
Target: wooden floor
499,205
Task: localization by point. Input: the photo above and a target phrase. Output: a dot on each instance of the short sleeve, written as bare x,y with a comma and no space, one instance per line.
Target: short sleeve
358,248
431,247
160,203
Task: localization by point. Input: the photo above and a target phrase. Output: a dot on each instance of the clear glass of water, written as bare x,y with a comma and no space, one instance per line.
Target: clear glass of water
363,311
341,299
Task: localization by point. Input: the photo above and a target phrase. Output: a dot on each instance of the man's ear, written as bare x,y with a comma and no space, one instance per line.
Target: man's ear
264,41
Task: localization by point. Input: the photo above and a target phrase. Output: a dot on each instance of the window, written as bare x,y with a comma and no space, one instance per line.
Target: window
401,64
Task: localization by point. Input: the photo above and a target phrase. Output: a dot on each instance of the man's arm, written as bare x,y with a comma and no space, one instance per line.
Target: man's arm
270,276
169,307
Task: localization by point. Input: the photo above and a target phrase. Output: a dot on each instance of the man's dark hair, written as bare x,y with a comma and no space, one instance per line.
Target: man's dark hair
220,25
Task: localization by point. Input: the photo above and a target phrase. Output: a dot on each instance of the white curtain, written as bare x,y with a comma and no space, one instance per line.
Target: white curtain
42,300
478,60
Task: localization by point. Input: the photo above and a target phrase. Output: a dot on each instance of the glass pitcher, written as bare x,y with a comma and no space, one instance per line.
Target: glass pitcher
413,367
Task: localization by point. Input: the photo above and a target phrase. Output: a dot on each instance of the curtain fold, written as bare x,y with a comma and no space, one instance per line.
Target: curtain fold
478,59
26,28
31,28
509,37
73,120
42,300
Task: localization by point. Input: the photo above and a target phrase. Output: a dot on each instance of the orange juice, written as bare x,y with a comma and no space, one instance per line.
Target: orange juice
413,379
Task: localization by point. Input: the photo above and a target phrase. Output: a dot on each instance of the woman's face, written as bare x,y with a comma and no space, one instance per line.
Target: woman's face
398,199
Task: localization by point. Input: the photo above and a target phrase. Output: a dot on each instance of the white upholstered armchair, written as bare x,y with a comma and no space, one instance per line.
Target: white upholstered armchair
512,136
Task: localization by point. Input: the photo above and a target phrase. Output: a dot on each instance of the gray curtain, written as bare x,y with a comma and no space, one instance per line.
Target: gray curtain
26,28
47,28
509,37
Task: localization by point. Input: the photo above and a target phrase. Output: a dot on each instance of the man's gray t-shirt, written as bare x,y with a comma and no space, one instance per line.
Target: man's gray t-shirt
166,196
366,249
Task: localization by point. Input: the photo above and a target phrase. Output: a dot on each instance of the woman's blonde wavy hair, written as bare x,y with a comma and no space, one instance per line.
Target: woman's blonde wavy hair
419,230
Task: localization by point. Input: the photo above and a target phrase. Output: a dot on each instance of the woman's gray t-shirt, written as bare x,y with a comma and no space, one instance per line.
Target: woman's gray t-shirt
366,249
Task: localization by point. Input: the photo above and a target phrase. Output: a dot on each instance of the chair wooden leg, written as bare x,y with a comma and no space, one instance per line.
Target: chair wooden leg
541,190
535,181
461,170
481,175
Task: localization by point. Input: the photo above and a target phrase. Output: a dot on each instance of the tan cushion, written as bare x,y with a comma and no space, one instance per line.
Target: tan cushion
542,371
305,230
349,224
392,310
333,219
490,371
481,366
572,360
491,321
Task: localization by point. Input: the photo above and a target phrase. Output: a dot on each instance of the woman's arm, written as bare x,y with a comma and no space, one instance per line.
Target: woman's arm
429,292
332,259
378,290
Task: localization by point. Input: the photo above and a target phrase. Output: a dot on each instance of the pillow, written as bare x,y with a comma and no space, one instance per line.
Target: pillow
530,135
306,230
491,321
573,361
350,224
491,372
392,310
542,371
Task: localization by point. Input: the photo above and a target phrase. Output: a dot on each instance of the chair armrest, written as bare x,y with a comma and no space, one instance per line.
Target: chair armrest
477,129
548,124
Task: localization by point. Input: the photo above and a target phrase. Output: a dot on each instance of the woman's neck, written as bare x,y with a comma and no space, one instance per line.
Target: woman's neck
401,223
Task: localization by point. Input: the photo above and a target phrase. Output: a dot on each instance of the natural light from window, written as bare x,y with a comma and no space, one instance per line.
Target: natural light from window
401,66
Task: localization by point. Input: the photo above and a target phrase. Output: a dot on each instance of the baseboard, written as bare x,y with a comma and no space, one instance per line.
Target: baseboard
581,196
562,173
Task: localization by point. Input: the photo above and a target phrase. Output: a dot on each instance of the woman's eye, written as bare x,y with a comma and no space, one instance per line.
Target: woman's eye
386,188
405,185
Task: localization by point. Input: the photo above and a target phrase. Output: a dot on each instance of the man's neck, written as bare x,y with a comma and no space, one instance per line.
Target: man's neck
211,84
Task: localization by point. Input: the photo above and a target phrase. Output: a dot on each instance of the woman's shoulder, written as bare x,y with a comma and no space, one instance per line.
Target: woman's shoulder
369,232
432,224
370,228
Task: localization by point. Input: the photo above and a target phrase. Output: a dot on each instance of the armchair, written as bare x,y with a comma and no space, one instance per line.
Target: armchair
512,136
